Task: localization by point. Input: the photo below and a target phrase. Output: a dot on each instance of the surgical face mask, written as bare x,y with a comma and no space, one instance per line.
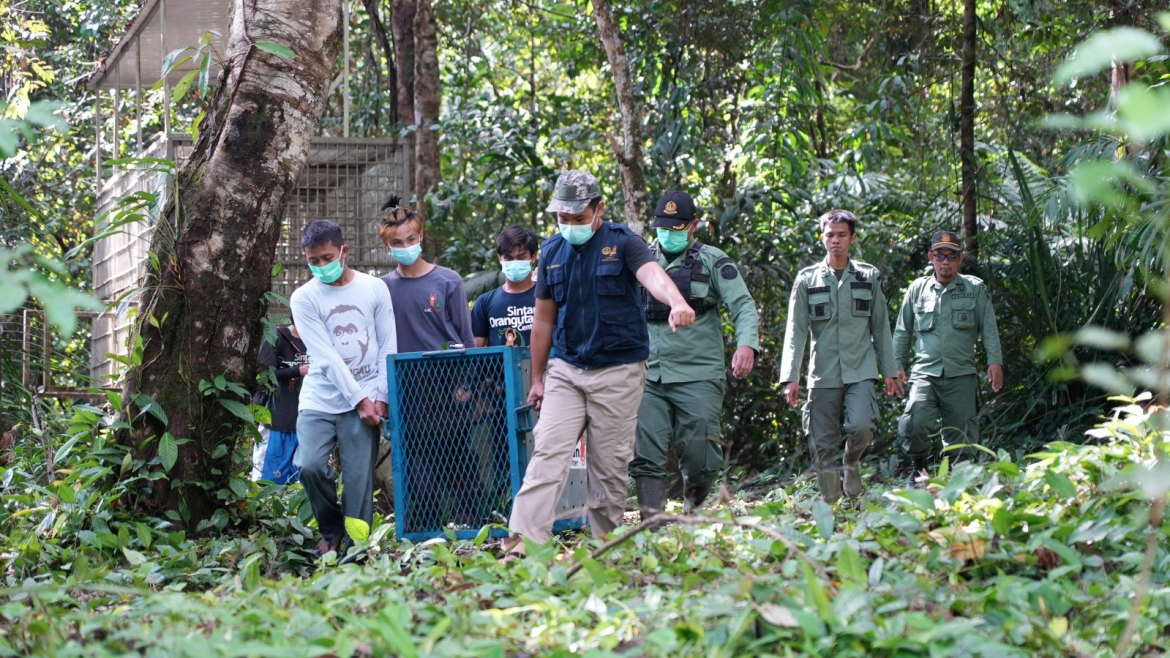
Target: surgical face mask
672,241
576,233
407,255
328,273
517,270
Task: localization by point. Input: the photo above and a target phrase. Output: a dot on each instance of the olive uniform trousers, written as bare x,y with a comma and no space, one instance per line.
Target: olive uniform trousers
952,398
851,409
686,416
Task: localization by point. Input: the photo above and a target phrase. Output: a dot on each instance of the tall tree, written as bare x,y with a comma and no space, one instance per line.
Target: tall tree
215,242
426,102
402,13
629,154
967,128
378,31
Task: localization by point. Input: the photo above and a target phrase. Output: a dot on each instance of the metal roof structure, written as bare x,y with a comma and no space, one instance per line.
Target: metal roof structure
160,27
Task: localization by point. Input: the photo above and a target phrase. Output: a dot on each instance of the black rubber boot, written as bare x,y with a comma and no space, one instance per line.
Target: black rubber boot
852,475
694,495
651,494
830,485
917,466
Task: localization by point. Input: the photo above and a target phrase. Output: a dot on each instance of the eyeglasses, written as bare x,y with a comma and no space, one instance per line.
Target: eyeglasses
946,257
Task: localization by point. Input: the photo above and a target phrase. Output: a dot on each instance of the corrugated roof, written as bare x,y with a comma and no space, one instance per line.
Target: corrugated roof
186,22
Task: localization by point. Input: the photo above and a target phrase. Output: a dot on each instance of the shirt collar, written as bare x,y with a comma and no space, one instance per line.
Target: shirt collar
826,268
957,282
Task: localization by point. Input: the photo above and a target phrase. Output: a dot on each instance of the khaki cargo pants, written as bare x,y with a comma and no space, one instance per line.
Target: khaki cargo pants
604,404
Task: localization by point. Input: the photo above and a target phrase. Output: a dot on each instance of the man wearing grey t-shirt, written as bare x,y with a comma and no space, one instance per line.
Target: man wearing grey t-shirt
346,319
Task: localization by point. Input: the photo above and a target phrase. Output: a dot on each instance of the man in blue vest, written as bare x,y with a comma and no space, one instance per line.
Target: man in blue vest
588,307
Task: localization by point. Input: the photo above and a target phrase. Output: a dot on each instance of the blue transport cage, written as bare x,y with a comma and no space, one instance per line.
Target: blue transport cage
460,437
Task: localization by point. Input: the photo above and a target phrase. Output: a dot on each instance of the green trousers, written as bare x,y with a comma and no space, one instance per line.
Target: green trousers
952,398
688,417
832,412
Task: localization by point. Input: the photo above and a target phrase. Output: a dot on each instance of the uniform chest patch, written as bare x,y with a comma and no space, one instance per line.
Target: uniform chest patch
817,289
962,295
865,285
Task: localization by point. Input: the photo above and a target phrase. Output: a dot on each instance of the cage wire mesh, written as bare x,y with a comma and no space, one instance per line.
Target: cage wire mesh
46,362
458,425
344,179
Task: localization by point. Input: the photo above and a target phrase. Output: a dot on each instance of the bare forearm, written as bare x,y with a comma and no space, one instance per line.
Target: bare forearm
541,346
658,283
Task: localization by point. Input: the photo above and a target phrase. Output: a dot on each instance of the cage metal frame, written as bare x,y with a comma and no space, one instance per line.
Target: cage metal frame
519,427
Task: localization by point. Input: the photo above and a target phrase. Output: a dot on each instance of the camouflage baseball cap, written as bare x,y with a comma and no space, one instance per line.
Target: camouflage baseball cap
574,191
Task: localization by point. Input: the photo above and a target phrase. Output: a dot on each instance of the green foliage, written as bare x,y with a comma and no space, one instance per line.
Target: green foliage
1001,558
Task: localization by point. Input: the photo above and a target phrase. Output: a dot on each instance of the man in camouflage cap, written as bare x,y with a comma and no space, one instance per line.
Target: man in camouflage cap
839,304
574,192
942,317
589,308
683,403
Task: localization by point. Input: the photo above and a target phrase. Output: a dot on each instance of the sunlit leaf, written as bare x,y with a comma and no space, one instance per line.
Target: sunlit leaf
1098,52
357,529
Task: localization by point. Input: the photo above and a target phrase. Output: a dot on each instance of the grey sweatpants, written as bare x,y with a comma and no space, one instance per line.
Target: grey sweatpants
317,433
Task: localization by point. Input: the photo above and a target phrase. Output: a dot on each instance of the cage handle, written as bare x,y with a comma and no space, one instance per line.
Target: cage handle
454,352
524,418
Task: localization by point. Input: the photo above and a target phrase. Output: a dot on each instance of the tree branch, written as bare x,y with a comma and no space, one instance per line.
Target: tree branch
1139,597
694,519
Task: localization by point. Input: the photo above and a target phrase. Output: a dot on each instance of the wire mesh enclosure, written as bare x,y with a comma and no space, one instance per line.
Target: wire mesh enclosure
344,179
458,432
44,361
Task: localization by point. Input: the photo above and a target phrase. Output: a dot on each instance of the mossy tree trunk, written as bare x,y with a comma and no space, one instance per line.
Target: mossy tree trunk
426,103
200,315
629,154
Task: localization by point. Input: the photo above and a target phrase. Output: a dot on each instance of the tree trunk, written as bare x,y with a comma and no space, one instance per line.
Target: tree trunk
967,129
402,26
426,104
629,155
378,29
200,315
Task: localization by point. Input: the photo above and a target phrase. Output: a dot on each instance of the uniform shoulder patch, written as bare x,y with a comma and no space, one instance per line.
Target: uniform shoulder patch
729,272
974,280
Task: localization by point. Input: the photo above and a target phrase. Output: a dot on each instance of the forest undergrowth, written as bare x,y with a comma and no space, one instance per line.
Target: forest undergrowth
991,557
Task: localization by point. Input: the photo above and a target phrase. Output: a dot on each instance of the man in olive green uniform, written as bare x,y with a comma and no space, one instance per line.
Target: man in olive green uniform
942,317
683,401
839,303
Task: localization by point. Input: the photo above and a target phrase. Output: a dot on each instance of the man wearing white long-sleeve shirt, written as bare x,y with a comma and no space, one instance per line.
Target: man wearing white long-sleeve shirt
346,320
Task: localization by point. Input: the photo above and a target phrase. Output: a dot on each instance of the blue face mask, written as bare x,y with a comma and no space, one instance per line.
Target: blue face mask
407,255
517,270
577,234
328,273
672,241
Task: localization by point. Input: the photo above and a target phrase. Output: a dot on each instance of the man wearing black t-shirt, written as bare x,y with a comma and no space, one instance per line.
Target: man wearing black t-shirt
507,312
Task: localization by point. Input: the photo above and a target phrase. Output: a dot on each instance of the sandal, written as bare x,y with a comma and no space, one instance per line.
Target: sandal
514,550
